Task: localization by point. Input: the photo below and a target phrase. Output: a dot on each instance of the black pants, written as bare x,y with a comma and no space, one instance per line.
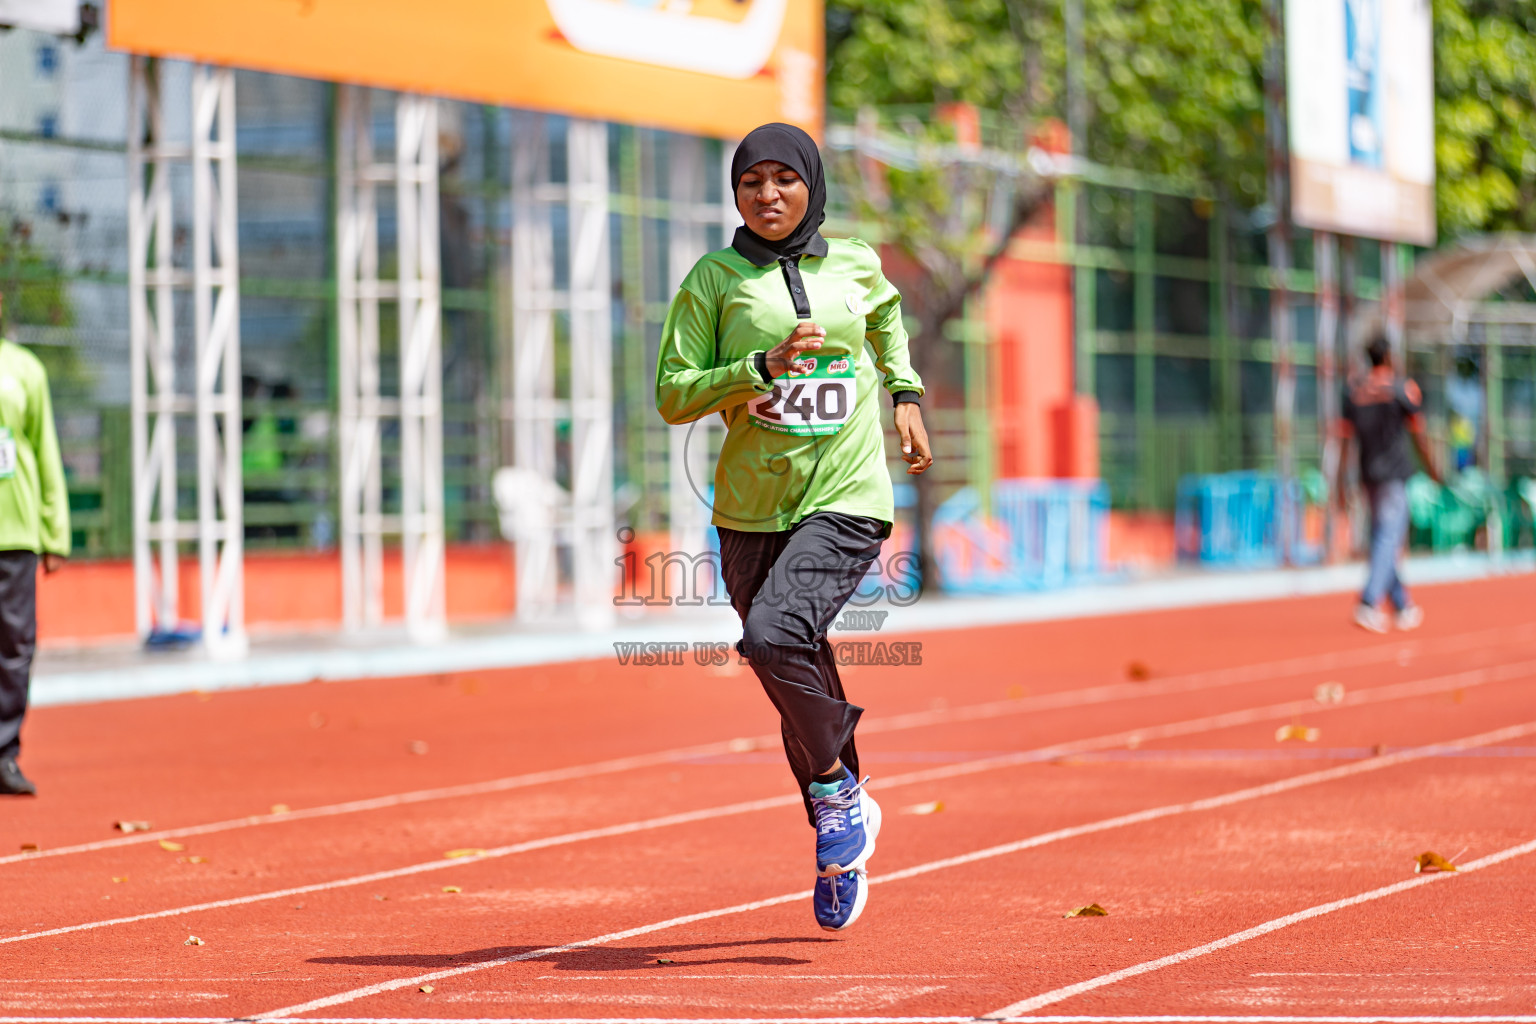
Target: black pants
18,639
788,587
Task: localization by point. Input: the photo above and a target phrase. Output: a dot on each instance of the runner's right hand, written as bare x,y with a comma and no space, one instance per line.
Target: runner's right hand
783,356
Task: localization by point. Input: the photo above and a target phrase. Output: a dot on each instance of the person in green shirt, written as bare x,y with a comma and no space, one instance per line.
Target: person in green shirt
790,337
34,519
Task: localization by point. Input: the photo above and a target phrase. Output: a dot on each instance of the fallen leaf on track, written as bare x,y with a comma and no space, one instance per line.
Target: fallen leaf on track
28,847
1016,692
1329,693
194,859
428,989
452,888
193,940
932,807
1431,861
1305,733
166,844
470,851
281,809
127,827
663,961
119,878
1091,910
1138,672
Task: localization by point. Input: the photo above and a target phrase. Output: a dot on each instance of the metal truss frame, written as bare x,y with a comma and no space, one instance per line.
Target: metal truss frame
580,516
214,280
362,407
690,476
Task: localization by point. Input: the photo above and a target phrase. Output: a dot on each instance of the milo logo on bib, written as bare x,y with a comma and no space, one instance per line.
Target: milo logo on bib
818,400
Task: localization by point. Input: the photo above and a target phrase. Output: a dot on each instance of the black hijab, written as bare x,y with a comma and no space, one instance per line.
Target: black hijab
796,150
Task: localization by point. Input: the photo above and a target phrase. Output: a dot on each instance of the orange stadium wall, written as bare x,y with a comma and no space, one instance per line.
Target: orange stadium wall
1041,426
93,601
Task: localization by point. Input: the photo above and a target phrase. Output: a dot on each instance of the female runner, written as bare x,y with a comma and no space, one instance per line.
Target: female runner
789,336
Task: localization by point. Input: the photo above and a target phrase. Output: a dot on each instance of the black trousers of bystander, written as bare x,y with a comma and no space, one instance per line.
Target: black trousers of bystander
18,639
788,587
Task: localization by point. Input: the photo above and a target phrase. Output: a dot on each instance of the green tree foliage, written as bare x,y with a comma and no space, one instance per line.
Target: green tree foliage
1177,89
35,293
1485,115
1174,89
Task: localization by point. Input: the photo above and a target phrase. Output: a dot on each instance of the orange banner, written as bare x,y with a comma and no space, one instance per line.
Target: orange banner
705,67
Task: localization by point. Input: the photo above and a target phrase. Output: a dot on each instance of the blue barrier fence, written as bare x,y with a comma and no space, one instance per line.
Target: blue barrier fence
1232,520
1041,534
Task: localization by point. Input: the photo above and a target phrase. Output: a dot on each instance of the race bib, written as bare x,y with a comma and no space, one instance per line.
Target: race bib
805,404
7,454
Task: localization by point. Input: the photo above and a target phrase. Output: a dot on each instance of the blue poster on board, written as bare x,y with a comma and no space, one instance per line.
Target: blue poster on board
1363,77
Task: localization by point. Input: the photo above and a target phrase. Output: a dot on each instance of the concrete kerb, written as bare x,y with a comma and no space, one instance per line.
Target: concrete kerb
277,661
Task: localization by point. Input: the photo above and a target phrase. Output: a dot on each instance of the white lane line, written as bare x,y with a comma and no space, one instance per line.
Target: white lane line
1024,1006
1058,700
1120,821
1163,1019
1396,691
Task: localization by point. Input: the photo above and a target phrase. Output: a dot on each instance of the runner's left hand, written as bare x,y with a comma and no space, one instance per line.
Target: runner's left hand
914,438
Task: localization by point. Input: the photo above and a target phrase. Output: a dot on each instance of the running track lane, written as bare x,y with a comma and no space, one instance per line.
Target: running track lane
1476,703
303,847
311,745
1340,811
1410,652
1066,992
1226,800
1226,720
1048,769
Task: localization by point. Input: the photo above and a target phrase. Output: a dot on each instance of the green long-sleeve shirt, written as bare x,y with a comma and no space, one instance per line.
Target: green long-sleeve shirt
34,503
803,444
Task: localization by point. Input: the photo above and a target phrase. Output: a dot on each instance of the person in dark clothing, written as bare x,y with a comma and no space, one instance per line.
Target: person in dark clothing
1383,414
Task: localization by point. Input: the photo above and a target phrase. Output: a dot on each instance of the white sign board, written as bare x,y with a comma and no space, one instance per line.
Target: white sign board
1361,104
61,17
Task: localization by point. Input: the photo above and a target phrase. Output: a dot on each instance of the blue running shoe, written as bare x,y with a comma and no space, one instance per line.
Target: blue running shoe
839,900
847,822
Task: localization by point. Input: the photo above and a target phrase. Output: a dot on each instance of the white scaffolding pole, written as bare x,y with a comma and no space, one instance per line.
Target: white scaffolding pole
215,403
152,371
216,333
361,406
548,515
594,547
688,443
534,408
421,367
358,291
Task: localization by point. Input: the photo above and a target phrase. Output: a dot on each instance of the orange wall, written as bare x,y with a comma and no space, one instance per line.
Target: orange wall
94,600
1029,317
1041,427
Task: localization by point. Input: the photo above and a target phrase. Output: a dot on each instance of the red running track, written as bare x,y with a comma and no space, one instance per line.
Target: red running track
645,858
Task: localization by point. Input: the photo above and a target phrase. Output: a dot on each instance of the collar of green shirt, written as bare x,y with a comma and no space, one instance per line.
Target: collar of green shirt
755,252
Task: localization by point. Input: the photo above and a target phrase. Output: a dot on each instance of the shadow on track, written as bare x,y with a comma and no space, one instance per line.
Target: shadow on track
588,958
